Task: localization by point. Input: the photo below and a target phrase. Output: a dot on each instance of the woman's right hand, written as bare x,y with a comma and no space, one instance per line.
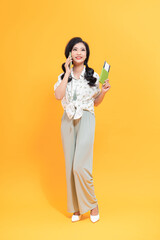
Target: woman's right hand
67,64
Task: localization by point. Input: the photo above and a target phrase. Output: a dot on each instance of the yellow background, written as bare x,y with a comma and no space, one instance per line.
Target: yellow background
127,138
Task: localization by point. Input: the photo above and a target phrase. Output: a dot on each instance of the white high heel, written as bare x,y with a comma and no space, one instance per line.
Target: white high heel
76,218
94,218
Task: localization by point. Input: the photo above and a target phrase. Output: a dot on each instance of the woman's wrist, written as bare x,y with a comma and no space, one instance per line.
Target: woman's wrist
102,93
66,74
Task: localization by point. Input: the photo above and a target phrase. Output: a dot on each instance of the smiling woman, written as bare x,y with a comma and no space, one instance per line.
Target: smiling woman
78,88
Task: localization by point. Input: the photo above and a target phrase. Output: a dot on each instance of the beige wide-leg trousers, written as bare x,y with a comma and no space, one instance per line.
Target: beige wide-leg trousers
77,140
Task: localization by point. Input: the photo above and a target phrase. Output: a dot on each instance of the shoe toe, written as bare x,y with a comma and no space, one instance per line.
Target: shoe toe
76,218
94,218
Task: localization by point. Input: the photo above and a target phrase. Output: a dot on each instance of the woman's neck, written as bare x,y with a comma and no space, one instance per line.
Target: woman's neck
78,69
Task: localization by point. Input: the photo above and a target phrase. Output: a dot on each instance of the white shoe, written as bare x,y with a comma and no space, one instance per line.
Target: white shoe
94,218
76,218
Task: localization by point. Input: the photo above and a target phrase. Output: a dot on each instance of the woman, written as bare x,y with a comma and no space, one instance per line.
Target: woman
78,89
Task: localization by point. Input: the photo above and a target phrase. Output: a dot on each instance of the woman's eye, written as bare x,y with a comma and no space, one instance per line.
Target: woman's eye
76,49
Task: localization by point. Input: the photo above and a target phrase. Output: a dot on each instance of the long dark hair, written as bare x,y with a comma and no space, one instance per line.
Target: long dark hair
89,71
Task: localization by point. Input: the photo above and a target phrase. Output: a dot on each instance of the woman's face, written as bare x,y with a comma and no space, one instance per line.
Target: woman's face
79,53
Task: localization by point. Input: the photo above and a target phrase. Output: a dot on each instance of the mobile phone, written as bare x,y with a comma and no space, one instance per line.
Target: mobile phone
71,61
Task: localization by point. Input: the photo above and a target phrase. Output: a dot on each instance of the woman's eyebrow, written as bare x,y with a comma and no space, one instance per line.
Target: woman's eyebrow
81,47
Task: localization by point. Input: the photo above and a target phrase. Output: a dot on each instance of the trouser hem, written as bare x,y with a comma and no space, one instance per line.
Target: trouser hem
88,209
84,211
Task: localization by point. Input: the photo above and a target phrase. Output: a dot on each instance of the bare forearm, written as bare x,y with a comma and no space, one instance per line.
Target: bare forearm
99,99
61,89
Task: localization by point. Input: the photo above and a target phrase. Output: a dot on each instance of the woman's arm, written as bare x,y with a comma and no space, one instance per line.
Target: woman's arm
99,99
105,87
61,89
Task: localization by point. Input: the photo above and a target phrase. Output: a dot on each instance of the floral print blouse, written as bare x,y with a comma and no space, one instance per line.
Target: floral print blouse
79,95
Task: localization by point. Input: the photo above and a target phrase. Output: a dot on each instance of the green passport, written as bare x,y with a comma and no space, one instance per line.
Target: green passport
104,73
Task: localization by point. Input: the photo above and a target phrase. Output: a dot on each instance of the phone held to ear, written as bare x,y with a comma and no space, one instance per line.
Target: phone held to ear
71,61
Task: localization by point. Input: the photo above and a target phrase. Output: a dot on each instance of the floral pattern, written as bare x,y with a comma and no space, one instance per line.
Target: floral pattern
79,95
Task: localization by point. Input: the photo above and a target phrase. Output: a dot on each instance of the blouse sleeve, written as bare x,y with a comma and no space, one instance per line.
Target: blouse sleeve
58,82
97,89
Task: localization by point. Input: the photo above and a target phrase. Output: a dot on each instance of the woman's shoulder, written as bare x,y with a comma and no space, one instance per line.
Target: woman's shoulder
58,81
95,74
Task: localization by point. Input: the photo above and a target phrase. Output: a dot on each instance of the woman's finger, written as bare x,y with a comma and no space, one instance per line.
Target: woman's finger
107,86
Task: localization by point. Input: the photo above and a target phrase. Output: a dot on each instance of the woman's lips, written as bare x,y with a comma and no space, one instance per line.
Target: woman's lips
78,58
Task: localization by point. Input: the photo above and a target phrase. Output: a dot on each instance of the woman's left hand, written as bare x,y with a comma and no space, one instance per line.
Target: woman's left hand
106,86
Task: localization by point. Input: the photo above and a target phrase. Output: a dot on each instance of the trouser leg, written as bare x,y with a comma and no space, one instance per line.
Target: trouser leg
68,142
83,162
